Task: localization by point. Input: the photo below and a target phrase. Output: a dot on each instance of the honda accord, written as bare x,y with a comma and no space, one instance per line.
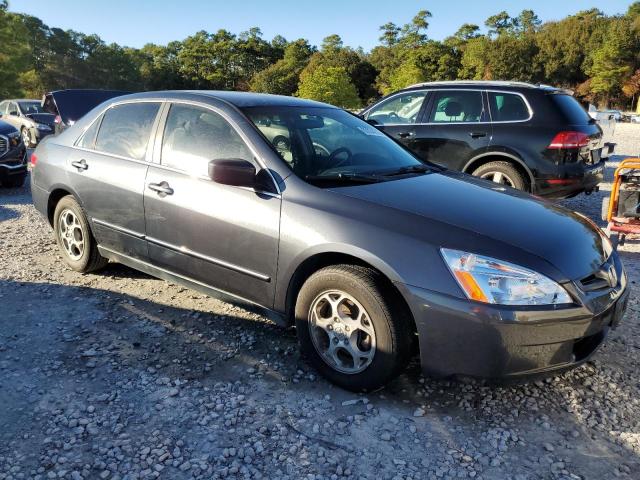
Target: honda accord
373,254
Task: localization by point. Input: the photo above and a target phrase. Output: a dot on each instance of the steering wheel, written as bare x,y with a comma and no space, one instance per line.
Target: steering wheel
337,152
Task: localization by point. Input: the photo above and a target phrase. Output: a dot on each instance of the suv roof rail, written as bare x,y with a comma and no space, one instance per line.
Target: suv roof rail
476,82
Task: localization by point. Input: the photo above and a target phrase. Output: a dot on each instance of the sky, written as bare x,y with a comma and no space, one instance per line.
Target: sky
134,23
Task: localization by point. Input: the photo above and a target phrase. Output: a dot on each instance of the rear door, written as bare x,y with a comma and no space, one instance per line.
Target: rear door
398,115
107,169
223,236
454,128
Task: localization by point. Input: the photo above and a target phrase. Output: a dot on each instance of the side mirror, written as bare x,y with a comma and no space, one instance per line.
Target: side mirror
232,171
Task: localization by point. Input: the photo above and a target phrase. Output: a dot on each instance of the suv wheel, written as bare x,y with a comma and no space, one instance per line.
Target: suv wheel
350,329
503,173
74,237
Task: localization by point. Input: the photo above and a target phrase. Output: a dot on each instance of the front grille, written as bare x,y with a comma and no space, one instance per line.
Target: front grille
4,144
605,277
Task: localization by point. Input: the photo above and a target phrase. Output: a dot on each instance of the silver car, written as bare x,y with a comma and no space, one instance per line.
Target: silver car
373,254
29,118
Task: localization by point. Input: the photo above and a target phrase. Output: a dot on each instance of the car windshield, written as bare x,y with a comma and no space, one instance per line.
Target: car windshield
31,107
328,143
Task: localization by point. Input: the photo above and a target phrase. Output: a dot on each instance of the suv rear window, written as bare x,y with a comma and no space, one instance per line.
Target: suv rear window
507,107
571,109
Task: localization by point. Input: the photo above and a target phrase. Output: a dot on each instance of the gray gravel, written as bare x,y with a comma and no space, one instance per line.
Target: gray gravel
117,375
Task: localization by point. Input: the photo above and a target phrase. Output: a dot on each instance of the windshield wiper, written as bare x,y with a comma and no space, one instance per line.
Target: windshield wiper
409,169
344,177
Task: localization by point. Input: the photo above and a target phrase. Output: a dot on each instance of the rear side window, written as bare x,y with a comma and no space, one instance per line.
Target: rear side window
194,136
507,107
571,109
89,136
125,129
456,106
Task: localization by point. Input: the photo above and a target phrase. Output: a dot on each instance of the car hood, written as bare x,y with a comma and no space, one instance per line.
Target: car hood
568,242
6,128
46,118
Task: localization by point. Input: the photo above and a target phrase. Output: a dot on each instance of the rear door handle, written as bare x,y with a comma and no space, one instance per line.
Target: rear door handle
406,134
478,134
161,188
80,165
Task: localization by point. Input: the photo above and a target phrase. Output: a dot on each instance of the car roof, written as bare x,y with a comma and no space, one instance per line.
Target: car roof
20,100
238,99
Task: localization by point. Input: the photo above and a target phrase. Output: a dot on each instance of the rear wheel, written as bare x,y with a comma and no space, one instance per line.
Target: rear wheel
503,173
351,329
74,238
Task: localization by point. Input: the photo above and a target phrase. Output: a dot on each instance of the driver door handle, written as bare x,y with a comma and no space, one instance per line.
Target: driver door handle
406,134
162,188
477,134
80,165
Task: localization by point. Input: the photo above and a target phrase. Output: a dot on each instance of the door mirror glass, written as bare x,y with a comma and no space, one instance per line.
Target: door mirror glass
232,171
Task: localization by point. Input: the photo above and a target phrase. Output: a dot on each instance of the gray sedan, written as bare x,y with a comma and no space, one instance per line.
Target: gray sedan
373,254
29,118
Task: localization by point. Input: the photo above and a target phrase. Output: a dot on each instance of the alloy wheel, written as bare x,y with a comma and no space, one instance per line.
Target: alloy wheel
342,332
71,234
498,177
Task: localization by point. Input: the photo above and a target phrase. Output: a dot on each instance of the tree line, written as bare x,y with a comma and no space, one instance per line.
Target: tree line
596,55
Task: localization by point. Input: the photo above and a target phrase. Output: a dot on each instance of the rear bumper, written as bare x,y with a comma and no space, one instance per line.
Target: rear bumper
458,337
571,180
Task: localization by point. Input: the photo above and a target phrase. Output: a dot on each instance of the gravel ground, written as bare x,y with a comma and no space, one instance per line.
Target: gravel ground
117,375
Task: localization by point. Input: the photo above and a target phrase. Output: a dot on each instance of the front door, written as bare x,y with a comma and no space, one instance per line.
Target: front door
108,170
398,115
455,128
223,236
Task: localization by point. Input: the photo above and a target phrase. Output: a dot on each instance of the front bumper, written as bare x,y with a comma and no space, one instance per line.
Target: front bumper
458,337
571,180
13,162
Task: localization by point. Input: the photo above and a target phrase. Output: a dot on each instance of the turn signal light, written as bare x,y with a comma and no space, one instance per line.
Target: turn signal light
569,140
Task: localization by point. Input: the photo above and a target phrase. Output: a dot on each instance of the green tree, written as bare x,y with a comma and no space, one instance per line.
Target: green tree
14,51
283,76
329,84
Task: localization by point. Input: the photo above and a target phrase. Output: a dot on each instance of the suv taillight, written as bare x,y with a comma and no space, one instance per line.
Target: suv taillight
569,140
33,160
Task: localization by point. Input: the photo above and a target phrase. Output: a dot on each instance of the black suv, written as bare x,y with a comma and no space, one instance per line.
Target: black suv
534,138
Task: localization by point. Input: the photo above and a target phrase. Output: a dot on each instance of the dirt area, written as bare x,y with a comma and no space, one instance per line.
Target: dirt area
117,375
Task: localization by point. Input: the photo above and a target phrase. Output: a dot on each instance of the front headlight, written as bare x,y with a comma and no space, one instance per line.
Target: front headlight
43,127
488,280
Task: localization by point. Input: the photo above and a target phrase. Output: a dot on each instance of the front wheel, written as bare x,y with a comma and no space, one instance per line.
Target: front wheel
503,173
74,238
351,329
26,137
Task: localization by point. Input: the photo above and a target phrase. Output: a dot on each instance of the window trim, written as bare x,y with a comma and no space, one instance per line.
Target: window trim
482,90
524,99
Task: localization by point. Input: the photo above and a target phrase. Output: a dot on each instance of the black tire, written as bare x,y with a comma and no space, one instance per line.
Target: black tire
391,322
507,170
16,181
90,259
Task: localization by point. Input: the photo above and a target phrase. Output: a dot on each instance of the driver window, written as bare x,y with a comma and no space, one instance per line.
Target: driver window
13,109
194,136
401,109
